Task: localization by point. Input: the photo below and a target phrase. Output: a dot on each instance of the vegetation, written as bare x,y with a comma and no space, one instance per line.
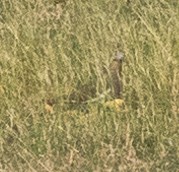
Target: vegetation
58,50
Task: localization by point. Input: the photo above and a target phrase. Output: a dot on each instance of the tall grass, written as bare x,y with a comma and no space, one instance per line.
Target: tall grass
59,50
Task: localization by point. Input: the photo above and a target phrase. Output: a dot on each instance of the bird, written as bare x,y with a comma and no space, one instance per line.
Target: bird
115,72
115,69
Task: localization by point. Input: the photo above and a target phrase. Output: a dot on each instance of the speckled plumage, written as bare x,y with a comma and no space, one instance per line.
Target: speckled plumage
115,69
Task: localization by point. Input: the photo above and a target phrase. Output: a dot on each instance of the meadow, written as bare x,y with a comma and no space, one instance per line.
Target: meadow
58,49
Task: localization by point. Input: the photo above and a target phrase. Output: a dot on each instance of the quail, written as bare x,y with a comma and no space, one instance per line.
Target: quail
115,70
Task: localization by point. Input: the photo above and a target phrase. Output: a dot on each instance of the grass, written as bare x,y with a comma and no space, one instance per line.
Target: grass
59,51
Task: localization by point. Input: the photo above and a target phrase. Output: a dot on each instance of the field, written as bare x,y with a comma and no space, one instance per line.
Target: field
59,50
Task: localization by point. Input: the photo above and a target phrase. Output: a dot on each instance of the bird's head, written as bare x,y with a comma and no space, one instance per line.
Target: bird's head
119,56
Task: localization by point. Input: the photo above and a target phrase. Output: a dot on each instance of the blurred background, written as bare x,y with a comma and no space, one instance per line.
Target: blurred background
61,50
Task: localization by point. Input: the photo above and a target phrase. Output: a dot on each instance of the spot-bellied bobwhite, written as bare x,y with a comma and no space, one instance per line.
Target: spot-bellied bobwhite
115,69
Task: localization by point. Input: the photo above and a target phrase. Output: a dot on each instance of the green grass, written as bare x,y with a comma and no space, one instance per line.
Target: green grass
59,51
